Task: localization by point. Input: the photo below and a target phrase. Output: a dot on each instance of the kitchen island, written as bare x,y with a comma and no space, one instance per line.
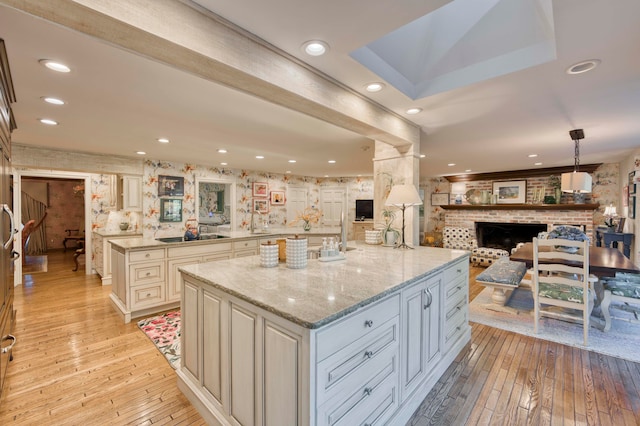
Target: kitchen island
356,341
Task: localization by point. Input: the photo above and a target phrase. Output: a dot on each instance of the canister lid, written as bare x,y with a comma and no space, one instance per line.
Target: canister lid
268,243
296,237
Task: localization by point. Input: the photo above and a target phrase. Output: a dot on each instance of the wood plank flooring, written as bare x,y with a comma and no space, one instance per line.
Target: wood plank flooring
76,363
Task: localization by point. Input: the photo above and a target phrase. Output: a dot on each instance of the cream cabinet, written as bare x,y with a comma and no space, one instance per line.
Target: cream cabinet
240,360
130,192
245,248
360,228
102,263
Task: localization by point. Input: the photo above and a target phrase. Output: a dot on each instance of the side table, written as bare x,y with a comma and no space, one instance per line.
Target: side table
612,239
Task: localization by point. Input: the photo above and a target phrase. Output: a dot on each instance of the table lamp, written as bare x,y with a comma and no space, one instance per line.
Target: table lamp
403,196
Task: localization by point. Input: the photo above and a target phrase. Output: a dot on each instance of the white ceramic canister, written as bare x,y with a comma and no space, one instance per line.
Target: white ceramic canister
372,237
296,252
268,254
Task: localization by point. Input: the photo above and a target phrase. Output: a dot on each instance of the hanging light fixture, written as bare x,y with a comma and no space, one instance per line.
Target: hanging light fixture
576,182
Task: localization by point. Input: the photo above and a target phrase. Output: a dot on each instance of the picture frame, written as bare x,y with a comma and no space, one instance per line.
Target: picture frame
261,205
632,188
170,186
632,176
260,189
171,210
632,207
277,198
511,192
620,225
440,198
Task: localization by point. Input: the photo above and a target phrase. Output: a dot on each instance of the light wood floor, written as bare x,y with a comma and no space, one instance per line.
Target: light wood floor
76,363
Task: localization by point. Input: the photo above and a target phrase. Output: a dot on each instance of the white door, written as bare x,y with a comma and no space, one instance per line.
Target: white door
296,201
332,202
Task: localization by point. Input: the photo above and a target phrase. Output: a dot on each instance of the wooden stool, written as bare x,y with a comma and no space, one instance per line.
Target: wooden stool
77,254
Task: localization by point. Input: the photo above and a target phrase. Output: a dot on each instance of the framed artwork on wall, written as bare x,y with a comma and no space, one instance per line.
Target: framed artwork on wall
632,207
439,199
277,198
511,192
260,189
261,205
171,210
171,186
625,196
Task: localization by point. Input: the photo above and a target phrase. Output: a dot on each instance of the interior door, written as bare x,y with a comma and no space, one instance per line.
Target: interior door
296,201
332,202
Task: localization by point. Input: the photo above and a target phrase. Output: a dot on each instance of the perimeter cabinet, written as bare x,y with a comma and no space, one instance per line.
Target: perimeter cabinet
130,192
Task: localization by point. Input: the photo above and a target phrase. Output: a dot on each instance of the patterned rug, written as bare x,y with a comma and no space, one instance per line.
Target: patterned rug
622,341
164,332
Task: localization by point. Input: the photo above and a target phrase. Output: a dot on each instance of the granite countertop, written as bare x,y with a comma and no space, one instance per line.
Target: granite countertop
324,291
143,243
118,233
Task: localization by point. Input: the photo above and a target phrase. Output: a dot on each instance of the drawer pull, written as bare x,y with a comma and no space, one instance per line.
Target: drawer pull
367,391
8,348
368,354
148,294
368,323
429,297
459,271
148,273
147,255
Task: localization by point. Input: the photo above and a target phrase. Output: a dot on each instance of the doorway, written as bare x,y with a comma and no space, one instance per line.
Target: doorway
75,187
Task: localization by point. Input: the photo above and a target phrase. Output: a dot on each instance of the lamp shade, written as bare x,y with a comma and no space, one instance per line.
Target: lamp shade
458,188
576,182
403,195
610,211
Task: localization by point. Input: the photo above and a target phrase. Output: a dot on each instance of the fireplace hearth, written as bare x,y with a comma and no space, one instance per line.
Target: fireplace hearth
506,235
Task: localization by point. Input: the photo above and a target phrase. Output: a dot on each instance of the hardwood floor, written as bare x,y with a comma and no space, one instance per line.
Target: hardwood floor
76,363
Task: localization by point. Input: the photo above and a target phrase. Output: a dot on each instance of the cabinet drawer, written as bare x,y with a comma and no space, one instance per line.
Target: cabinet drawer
334,337
454,329
344,369
146,272
245,253
147,295
454,290
456,271
454,308
374,400
198,250
144,255
216,256
246,244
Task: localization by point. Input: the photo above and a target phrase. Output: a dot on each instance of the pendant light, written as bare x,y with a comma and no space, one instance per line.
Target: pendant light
576,182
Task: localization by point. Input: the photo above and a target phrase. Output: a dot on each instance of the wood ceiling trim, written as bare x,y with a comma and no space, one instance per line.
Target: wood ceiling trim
519,174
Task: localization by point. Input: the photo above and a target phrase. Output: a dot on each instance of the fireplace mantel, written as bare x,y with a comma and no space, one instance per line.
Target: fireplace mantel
520,206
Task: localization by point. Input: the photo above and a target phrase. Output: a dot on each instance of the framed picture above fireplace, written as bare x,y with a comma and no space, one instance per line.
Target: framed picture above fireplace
511,192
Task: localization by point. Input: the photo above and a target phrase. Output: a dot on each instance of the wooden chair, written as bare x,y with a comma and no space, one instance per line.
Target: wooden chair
74,235
565,285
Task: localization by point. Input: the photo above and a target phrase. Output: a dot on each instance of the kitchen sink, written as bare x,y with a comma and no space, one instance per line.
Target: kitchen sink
211,236
170,239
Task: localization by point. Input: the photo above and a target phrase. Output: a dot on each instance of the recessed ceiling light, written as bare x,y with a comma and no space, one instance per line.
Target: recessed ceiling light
223,164
414,110
292,161
260,157
451,164
54,101
374,87
467,171
422,155
315,47
537,164
288,171
533,155
331,161
140,152
222,151
55,66
48,121
326,175
583,66
163,140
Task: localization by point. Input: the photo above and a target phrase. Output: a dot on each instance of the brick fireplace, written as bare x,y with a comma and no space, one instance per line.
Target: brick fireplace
466,216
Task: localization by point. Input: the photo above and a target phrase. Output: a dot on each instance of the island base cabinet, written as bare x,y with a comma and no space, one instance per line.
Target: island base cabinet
243,365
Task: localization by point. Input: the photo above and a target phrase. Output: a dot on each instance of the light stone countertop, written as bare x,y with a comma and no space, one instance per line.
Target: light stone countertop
118,233
324,291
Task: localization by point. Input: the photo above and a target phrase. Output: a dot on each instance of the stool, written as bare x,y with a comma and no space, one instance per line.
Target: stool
483,256
503,276
77,254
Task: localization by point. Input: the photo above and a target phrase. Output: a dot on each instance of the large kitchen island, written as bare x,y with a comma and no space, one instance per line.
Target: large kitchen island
351,342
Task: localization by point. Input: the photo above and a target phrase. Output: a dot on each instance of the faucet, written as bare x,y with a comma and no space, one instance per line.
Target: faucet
253,226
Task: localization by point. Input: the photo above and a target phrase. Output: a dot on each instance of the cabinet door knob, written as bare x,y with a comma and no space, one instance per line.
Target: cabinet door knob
368,323
147,255
148,273
368,354
367,391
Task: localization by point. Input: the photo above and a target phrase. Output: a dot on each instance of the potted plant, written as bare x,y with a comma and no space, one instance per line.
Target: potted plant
389,234
554,182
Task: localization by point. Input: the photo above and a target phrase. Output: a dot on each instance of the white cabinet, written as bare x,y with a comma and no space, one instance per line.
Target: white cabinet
245,248
130,189
102,262
421,325
240,360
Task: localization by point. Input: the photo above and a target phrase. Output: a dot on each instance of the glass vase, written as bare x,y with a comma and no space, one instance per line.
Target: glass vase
306,226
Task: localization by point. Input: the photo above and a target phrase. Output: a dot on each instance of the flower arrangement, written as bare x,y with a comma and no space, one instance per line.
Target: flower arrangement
554,182
307,217
568,233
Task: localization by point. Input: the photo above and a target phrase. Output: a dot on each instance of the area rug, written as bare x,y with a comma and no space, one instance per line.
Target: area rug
622,341
164,332
35,264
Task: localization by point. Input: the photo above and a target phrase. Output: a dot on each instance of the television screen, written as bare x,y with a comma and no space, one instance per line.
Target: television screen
364,209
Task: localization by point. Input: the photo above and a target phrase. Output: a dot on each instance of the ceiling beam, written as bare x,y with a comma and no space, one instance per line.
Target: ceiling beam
182,35
519,174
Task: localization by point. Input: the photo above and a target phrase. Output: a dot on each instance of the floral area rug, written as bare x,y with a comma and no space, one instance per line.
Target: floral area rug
622,341
164,332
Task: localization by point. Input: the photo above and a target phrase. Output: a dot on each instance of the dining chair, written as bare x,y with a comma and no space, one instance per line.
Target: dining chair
561,279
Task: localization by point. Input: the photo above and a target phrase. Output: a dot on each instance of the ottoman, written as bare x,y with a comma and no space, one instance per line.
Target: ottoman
483,256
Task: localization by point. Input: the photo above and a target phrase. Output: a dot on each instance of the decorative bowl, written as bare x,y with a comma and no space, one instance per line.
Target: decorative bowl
124,226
